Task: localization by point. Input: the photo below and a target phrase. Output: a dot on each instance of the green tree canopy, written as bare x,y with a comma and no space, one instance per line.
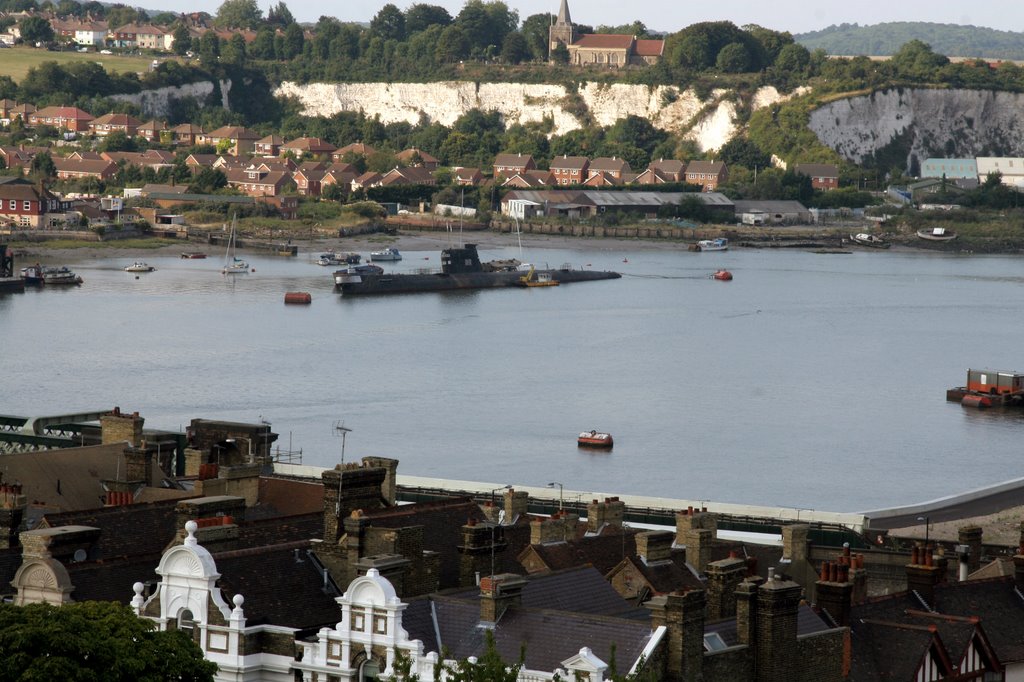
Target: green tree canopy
280,15
535,30
35,30
94,641
422,16
515,50
239,14
388,23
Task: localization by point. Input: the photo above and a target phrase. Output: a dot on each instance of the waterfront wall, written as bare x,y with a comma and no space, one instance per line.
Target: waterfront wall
708,122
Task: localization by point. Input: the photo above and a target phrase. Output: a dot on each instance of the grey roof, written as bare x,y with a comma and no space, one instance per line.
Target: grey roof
611,198
744,206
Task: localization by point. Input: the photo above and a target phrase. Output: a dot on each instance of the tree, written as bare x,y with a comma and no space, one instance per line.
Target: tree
234,51
94,641
452,46
119,15
209,49
388,23
420,17
793,59
42,166
239,14
486,24
208,181
733,58
263,46
294,41
280,15
560,54
182,40
740,151
515,50
36,30
535,31
117,141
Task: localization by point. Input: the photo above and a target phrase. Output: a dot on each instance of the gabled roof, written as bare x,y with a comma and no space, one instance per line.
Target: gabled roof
276,140
700,166
187,129
513,160
153,125
407,155
649,48
73,113
357,148
116,120
313,145
672,166
233,133
817,170
603,552
604,41
84,166
609,164
569,163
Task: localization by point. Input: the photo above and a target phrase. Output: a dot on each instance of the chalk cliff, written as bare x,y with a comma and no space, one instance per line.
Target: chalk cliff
709,123
916,124
156,103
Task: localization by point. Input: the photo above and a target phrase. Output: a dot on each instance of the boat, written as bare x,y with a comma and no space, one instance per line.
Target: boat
872,240
461,269
722,275
232,264
139,266
937,234
595,439
388,254
533,279
720,244
36,275
334,258
193,255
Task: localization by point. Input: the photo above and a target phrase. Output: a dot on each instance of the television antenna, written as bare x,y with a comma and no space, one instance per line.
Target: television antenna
339,430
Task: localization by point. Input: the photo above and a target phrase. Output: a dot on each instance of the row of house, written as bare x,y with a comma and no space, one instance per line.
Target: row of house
279,577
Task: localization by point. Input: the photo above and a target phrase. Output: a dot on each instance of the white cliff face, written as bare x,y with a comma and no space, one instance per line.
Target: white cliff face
667,107
156,103
929,123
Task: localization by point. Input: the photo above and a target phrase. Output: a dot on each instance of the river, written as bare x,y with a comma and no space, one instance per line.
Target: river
812,380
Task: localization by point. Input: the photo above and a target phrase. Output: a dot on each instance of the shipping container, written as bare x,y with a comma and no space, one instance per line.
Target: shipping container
989,381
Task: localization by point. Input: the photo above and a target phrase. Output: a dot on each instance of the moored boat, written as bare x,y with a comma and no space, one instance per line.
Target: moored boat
193,255
722,275
535,279
335,258
595,439
871,240
139,266
720,244
937,234
232,264
37,275
388,254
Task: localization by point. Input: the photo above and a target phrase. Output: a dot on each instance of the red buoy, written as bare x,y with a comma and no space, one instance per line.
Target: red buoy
298,298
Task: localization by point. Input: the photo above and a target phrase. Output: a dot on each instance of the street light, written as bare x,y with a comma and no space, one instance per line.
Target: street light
927,523
504,487
561,489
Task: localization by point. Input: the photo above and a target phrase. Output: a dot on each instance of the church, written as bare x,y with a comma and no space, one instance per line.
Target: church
601,49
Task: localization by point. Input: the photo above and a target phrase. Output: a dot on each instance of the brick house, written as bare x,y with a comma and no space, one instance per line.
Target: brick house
309,182
91,33
64,118
6,107
151,130
614,168
240,140
707,174
356,149
413,175
258,183
824,176
601,49
186,134
268,146
110,123
141,36
467,177
418,157
506,165
74,169
569,170
28,206
313,146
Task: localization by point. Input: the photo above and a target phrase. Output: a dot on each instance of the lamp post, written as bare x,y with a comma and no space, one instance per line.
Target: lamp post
927,523
504,487
561,490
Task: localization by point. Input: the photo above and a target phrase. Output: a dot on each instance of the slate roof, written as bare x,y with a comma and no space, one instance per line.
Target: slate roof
513,160
667,576
604,552
131,530
569,163
817,170
609,165
290,496
700,166
807,623
671,166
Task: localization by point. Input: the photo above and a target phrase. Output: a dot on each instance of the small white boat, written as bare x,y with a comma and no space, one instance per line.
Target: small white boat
388,254
872,240
139,266
720,244
937,234
233,265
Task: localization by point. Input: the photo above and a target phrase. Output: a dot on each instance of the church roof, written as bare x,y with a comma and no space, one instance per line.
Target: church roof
650,48
605,41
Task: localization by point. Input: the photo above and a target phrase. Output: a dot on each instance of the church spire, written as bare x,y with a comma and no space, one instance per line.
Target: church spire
563,14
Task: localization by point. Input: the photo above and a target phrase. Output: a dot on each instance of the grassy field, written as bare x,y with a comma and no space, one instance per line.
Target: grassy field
16,61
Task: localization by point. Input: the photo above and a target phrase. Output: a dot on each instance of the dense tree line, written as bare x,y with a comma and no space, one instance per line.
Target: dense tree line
887,38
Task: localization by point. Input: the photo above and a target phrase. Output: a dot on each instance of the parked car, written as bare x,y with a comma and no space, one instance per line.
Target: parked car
106,52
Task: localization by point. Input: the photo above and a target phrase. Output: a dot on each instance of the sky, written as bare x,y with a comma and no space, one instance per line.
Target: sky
795,16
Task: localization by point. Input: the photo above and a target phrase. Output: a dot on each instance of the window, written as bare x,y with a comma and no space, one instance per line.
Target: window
26,205
13,204
358,620
380,625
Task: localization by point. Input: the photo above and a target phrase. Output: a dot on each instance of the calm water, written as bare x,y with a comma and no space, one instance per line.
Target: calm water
813,381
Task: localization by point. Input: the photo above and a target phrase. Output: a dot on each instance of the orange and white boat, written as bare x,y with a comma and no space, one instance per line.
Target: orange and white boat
722,275
595,439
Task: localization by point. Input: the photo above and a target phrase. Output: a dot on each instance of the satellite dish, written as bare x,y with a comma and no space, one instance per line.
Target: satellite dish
80,555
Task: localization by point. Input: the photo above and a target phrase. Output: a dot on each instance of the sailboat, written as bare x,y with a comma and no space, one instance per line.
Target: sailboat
232,264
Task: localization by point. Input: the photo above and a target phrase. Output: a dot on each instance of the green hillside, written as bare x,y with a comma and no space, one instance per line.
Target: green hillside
951,40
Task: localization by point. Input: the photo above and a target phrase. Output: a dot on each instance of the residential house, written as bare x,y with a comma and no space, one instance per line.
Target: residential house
186,134
367,179
23,111
467,177
308,181
313,146
824,176
139,36
528,179
1010,169
615,168
91,33
952,169
156,159
418,157
29,206
672,170
569,170
197,162
6,107
236,139
601,179
772,212
413,175
65,118
507,165
268,146
110,123
339,178
74,169
707,174
17,157
152,130
355,149
605,50
258,183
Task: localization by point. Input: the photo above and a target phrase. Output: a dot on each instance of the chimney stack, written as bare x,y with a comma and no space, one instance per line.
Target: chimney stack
497,593
1018,564
12,514
559,527
654,546
117,427
475,551
516,505
724,578
972,537
682,615
835,591
922,573
794,542
776,657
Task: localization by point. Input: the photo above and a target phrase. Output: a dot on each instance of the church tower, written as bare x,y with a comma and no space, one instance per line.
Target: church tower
562,32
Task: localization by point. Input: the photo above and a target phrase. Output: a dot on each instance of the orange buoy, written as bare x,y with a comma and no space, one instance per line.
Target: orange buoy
298,298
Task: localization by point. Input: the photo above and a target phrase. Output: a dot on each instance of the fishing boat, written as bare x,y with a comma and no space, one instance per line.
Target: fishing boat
36,275
595,439
193,255
720,244
232,264
871,240
937,234
334,258
139,266
388,254
722,275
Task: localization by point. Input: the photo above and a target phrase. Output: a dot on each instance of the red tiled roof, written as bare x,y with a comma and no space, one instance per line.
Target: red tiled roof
650,48
602,41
